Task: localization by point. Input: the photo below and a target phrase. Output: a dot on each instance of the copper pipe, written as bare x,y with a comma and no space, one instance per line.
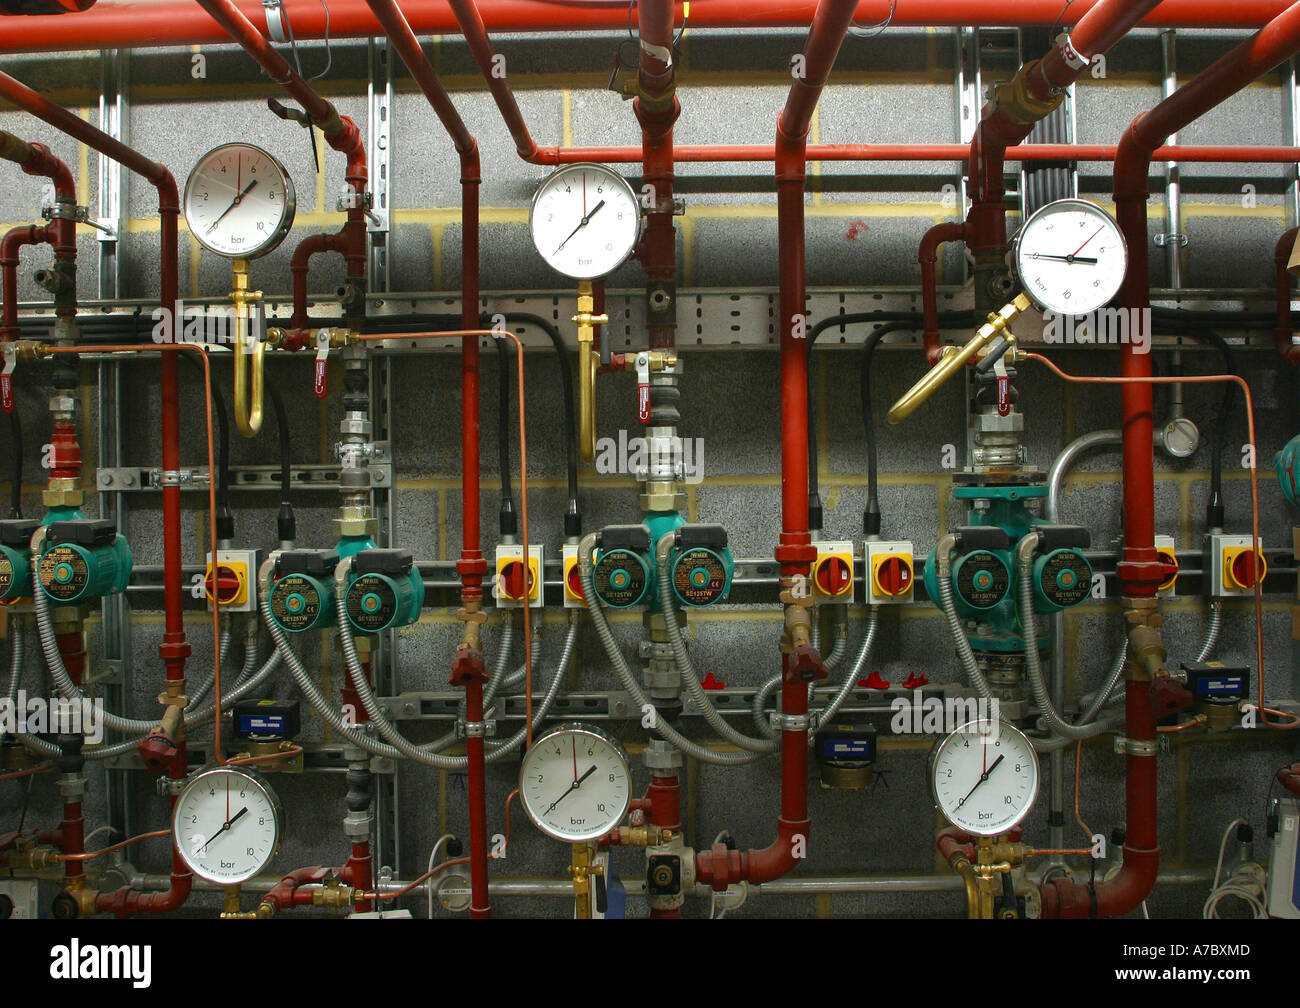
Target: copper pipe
116,847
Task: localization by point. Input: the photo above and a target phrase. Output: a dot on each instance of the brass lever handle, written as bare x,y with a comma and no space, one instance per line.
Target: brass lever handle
955,359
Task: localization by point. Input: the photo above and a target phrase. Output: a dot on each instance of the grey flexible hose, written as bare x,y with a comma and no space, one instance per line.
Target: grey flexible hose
1033,661
223,651
505,647
758,706
516,677
686,668
606,635
965,655
32,742
1212,630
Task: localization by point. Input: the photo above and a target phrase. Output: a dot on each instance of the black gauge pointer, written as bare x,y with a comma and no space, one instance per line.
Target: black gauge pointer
585,221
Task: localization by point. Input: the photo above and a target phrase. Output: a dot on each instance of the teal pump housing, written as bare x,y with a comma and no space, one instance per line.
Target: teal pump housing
83,560
302,597
16,558
385,591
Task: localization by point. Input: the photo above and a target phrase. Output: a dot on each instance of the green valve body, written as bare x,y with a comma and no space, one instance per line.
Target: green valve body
385,591
83,560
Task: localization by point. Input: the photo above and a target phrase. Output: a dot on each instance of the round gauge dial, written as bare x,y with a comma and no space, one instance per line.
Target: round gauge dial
575,783
239,201
585,221
227,825
984,777
1070,257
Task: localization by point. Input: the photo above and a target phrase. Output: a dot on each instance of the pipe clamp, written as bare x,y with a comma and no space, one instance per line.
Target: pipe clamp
790,722
1135,747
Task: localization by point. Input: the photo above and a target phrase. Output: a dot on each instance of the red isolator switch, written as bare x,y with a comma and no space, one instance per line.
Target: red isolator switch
223,584
513,575
894,576
834,576
1242,568
575,582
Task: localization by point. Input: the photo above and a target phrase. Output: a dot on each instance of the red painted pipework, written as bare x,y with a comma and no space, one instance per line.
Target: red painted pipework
952,841
129,24
14,239
657,108
300,264
1141,571
1003,125
928,257
1124,892
1288,351
174,648
663,802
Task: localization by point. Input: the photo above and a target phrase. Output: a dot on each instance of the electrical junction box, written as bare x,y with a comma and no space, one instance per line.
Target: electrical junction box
514,581
19,899
573,595
832,571
1283,869
1232,566
1165,549
890,572
234,580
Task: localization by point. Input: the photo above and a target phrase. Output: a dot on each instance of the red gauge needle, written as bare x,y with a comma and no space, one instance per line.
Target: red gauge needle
584,194
227,799
575,760
1094,235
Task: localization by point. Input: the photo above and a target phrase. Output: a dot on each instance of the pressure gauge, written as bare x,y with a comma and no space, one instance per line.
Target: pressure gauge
984,777
575,783
585,221
239,201
1070,257
226,825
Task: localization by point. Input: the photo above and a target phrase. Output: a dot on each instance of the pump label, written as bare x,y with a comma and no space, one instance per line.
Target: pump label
699,578
982,580
64,573
295,603
1066,578
620,579
6,576
372,603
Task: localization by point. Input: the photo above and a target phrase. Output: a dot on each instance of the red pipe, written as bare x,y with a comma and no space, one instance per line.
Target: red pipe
128,24
1015,109
1141,571
1288,351
928,257
663,799
14,239
174,648
656,108
299,265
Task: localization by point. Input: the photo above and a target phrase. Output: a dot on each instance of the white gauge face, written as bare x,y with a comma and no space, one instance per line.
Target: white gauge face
239,201
575,783
585,221
1071,257
226,825
984,777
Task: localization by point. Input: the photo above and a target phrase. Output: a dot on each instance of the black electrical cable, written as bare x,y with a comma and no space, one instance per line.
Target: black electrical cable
573,515
1214,509
286,524
16,491
509,521
887,324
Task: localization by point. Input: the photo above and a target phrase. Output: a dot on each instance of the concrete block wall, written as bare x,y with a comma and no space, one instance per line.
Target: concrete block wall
864,222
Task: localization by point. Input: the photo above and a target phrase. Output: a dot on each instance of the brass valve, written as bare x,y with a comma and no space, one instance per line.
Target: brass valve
248,415
587,361
954,359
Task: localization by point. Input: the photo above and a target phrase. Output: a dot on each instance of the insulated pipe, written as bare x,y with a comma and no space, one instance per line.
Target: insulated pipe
1140,570
1010,117
128,24
1288,351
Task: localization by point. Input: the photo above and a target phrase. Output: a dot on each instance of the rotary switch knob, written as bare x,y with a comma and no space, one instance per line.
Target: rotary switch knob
833,576
894,577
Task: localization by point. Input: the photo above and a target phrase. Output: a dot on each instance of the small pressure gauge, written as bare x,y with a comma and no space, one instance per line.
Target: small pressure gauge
585,221
226,825
984,777
1070,257
239,201
575,783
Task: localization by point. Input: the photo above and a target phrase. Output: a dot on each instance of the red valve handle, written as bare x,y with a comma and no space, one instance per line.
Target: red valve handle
322,388
643,402
7,392
1004,395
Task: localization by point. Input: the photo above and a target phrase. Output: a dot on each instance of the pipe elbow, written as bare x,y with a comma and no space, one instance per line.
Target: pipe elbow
720,867
1117,896
1132,161
42,162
